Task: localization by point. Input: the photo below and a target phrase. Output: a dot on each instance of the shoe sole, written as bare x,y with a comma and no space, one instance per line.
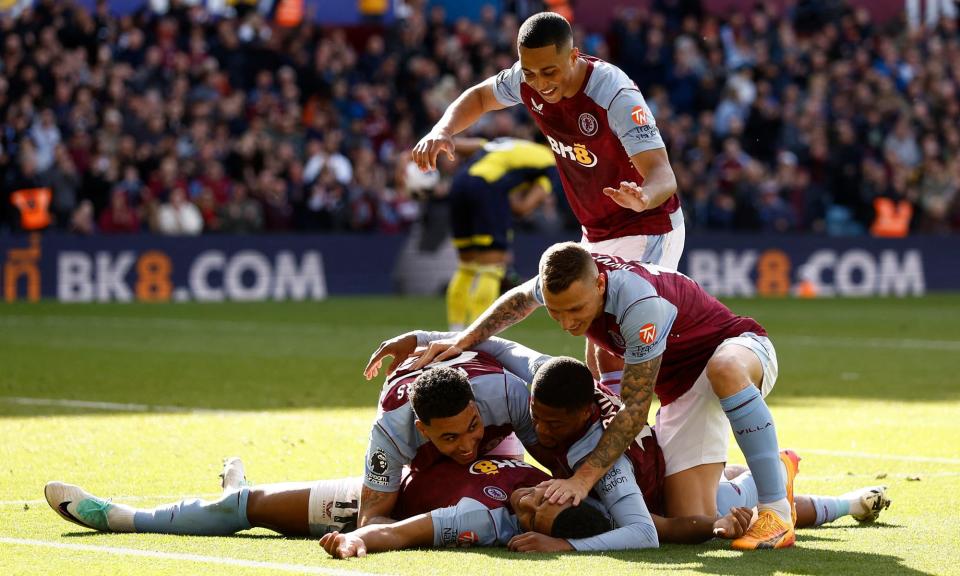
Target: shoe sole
874,512
792,462
65,514
786,540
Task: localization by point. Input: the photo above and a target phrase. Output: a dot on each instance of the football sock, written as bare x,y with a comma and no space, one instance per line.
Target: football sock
195,517
855,504
612,380
458,291
106,516
740,491
485,290
757,437
829,508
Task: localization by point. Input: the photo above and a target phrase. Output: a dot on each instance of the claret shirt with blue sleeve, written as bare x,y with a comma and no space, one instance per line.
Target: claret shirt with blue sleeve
593,135
650,311
502,400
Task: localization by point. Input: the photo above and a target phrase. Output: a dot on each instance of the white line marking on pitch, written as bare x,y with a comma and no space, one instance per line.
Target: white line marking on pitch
296,568
108,406
870,456
125,499
885,479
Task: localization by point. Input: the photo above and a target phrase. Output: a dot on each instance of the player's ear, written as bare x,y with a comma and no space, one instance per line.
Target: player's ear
574,55
421,427
601,283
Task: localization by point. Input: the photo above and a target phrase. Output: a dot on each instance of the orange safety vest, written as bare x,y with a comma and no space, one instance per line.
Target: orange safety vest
373,7
561,7
289,13
893,218
34,206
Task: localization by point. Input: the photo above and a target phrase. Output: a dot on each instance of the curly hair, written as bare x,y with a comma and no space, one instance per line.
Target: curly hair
440,392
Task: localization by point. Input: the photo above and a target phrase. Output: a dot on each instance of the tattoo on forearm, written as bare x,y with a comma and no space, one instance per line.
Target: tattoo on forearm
509,309
372,503
637,391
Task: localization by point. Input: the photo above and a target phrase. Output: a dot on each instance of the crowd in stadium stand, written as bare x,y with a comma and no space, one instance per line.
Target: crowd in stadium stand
813,120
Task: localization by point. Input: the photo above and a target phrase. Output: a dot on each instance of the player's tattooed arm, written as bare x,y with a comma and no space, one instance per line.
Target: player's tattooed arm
376,507
636,390
509,309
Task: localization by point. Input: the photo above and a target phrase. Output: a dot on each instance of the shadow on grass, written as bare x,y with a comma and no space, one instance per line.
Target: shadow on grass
717,558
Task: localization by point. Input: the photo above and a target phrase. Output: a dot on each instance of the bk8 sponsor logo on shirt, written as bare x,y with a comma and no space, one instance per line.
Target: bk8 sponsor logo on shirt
577,153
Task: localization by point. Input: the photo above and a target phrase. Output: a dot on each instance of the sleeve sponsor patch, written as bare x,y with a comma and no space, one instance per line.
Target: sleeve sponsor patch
376,472
611,480
647,333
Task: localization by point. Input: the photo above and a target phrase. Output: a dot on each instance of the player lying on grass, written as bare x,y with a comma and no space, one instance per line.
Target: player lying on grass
476,503
300,509
569,412
497,406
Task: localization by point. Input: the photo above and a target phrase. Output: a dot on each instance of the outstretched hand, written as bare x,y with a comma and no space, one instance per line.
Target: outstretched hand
734,524
429,147
400,348
436,351
343,545
629,195
561,491
536,542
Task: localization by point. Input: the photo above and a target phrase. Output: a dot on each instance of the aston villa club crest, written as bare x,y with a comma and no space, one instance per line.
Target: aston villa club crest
495,493
588,124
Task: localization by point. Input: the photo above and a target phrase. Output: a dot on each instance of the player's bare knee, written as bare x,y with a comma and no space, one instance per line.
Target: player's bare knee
727,374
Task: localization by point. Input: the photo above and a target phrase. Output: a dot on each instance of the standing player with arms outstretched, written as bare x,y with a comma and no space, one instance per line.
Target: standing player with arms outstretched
612,161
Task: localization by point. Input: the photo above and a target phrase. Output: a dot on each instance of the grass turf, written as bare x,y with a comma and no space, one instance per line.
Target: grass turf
867,388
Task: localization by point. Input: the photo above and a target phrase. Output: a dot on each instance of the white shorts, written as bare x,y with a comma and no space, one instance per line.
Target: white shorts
510,446
693,429
334,505
663,250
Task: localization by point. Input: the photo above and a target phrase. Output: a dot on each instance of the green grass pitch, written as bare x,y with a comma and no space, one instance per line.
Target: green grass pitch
867,389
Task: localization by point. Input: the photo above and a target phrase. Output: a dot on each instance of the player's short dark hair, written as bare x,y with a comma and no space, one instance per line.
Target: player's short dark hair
580,521
563,382
440,392
545,29
563,264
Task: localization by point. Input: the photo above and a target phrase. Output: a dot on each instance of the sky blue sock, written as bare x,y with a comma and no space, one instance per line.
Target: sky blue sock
829,509
741,491
757,437
196,517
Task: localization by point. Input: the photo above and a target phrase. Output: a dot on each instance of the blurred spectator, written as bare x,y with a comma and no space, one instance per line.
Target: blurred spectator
81,222
46,137
64,182
119,217
241,214
179,217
